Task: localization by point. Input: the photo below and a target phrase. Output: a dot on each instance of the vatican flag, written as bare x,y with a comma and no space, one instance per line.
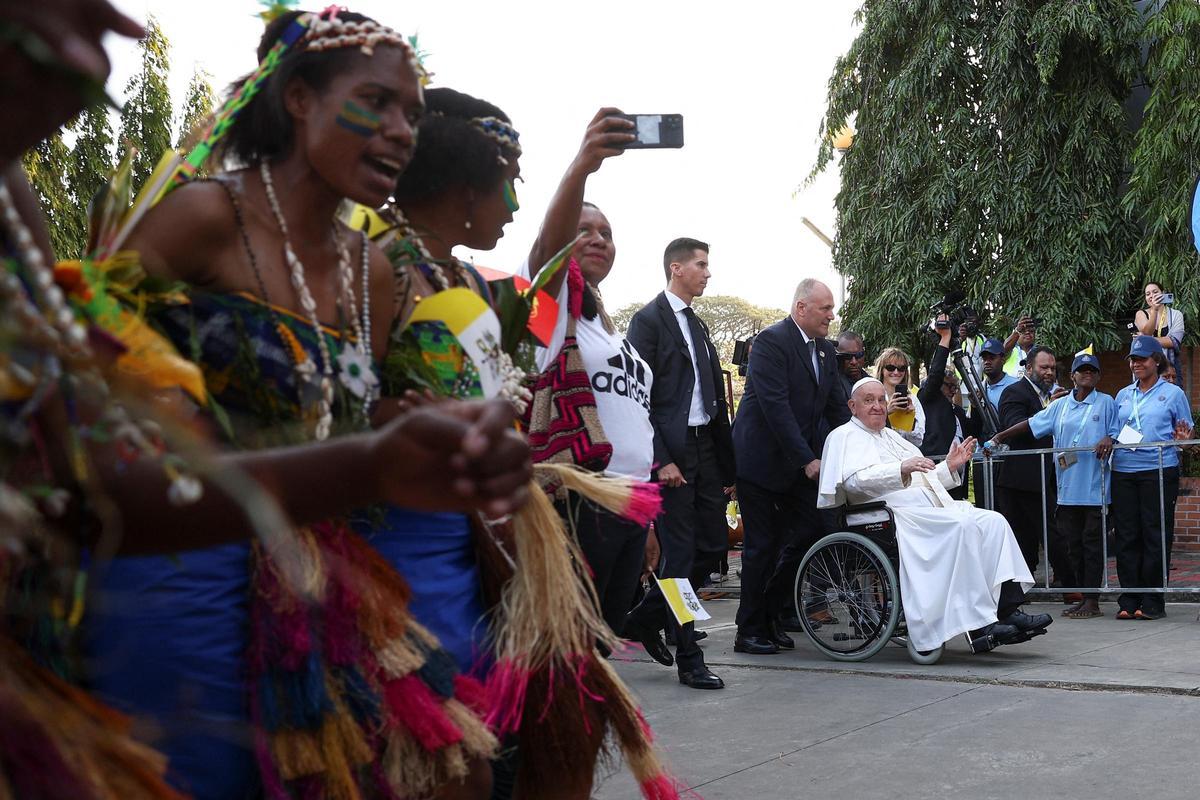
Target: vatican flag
1087,351
681,597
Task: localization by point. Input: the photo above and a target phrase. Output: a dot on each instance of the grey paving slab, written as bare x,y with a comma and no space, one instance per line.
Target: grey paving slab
798,734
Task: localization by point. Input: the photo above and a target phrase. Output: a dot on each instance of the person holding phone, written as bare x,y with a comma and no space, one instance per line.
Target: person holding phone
1160,320
905,415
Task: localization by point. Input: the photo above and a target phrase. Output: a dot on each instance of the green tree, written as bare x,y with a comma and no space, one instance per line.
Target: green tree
1166,160
89,166
989,151
197,106
47,166
146,118
729,318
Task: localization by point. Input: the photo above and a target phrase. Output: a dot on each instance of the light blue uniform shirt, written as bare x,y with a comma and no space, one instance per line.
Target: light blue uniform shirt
1154,414
1076,423
994,390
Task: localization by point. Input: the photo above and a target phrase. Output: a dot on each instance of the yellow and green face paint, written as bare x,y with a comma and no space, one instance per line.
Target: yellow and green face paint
510,197
357,119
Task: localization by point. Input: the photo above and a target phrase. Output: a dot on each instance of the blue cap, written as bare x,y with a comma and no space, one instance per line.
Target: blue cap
1085,360
993,346
1144,347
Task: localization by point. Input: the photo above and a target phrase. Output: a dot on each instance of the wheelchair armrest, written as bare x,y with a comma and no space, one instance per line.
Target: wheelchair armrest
874,504
869,517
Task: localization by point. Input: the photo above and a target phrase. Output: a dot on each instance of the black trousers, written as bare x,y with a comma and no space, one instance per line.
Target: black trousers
1140,533
779,528
615,549
1023,510
1080,527
691,538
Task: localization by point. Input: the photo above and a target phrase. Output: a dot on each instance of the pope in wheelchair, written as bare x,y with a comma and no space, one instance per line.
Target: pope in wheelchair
960,568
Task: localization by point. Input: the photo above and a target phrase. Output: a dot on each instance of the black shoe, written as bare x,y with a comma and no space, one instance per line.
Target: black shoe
992,636
1027,622
651,641
754,645
780,638
792,623
699,636
700,678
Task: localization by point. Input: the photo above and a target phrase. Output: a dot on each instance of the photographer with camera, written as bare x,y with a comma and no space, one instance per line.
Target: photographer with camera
1019,344
1160,320
852,358
946,423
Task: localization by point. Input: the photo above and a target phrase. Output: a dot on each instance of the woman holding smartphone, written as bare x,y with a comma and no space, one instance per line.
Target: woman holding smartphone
1161,321
905,415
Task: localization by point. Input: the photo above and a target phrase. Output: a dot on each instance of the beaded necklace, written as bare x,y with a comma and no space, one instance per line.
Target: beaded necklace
354,362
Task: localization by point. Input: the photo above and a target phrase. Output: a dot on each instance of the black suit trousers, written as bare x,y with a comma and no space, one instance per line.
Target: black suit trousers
779,527
614,548
690,526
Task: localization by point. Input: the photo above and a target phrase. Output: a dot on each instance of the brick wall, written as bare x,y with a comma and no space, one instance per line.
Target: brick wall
1114,376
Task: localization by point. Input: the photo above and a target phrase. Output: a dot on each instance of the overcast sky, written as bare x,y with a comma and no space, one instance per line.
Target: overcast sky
749,80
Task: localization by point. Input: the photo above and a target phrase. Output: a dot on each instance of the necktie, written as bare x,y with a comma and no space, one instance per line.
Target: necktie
708,392
812,356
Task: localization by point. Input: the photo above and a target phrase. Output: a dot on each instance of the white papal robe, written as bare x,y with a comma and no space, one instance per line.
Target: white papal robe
953,556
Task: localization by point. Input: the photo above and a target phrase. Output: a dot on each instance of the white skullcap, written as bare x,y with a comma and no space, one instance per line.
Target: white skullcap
863,382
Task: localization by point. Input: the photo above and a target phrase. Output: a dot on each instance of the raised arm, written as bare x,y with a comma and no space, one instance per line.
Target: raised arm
604,138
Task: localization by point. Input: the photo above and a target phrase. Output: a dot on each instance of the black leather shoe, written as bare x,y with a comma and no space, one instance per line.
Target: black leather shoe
1004,633
780,638
699,636
700,678
1027,622
650,640
992,636
754,645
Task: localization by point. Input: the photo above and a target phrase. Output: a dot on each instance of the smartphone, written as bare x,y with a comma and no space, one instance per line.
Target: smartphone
1167,299
655,131
902,391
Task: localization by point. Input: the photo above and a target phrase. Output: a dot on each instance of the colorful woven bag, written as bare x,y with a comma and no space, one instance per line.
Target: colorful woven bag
563,423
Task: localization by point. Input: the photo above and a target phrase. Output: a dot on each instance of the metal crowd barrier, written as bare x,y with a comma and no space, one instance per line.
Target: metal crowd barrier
985,459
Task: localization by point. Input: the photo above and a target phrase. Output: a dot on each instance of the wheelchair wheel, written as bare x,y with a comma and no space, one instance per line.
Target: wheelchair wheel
851,577
924,659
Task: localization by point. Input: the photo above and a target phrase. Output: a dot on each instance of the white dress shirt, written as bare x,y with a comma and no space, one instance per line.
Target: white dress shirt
697,416
813,354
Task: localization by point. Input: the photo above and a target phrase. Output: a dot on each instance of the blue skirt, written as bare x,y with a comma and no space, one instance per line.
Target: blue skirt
166,638
436,555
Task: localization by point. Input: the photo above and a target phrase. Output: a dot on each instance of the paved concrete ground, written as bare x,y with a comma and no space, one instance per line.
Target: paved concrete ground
1095,709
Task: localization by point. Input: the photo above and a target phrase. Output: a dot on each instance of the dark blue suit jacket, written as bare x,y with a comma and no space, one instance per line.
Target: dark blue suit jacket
786,413
654,332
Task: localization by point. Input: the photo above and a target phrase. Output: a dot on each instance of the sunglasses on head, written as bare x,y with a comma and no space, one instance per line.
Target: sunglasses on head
895,367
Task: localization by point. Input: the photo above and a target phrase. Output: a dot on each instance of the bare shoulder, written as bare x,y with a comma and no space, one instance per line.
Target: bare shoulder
187,234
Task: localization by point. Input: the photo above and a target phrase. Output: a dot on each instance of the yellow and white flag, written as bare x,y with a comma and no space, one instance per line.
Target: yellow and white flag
681,597
1087,351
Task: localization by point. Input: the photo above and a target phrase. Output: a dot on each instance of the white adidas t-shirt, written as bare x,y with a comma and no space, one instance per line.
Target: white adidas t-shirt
621,382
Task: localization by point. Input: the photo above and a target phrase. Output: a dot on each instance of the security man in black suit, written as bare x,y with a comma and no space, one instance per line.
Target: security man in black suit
946,423
794,397
1019,487
692,448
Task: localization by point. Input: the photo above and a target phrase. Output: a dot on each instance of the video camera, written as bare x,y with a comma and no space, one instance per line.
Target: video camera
954,306
741,354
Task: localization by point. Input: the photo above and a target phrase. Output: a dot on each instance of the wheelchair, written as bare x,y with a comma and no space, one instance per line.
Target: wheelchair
854,576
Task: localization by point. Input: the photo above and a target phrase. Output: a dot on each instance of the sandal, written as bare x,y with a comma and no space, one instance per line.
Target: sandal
1139,614
1124,614
1083,613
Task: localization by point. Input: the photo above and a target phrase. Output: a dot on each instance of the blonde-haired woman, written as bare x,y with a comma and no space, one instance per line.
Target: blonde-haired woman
905,415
